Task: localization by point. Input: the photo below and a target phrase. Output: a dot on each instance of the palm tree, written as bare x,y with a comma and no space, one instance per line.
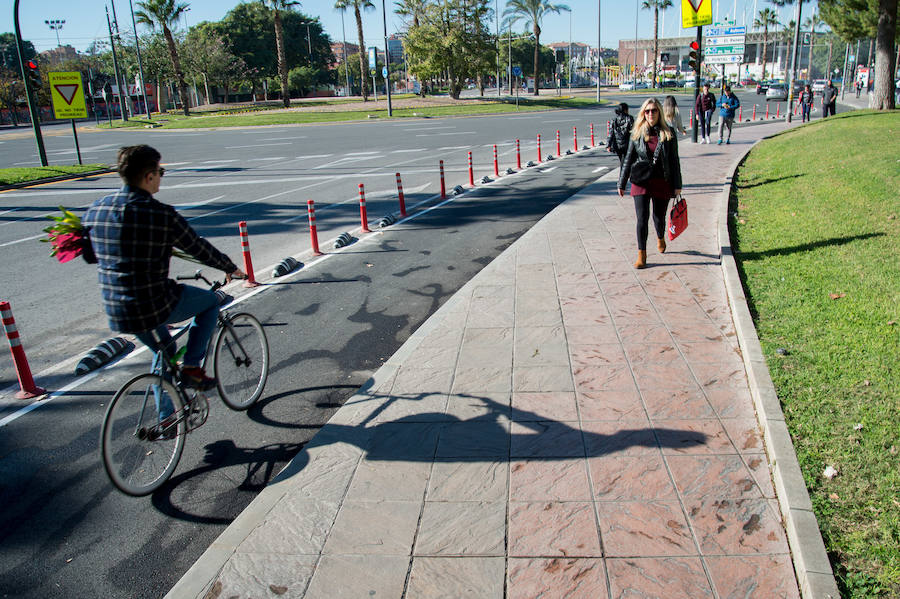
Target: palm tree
533,13
812,22
656,5
359,5
411,8
164,14
767,18
277,6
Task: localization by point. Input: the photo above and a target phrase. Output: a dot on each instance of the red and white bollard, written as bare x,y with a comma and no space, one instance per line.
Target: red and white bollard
27,388
313,234
496,164
778,111
363,215
558,152
740,114
608,125
245,249
443,185
691,121
753,118
471,172
592,135
400,196
767,112
539,147
518,156
575,138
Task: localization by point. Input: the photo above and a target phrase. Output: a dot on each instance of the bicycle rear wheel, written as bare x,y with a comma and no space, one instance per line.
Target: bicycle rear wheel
241,361
143,435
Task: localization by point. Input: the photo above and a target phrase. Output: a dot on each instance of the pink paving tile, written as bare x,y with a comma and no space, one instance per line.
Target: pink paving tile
583,316
759,467
622,404
580,334
634,313
640,529
549,480
543,378
720,375
608,277
550,529
736,526
677,403
627,478
664,289
583,298
745,434
674,375
600,354
658,578
680,314
691,332
623,437
603,378
645,332
556,578
731,402
623,289
692,437
721,476
711,351
545,439
552,405
652,353
753,577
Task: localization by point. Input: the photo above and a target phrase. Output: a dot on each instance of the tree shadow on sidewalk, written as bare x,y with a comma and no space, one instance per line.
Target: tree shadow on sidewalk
786,251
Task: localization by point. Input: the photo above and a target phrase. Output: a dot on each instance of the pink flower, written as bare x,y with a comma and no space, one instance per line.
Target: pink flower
68,246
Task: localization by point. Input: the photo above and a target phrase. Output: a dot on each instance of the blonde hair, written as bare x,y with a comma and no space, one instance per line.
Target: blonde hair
641,127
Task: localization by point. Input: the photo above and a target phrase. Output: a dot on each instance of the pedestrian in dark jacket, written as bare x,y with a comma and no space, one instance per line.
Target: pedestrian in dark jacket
652,151
806,102
728,105
703,107
829,99
619,132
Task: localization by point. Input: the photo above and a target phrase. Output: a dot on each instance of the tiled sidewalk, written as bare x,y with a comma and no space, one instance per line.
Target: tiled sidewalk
566,426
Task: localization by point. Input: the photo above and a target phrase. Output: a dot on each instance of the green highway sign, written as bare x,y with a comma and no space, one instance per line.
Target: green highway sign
714,50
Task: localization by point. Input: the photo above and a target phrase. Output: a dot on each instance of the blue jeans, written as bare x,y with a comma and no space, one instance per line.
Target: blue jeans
805,111
200,304
705,122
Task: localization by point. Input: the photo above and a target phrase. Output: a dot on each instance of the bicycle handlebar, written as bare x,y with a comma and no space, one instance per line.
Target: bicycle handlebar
198,276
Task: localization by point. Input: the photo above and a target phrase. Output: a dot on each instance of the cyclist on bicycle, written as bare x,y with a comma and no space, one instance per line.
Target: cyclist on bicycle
132,235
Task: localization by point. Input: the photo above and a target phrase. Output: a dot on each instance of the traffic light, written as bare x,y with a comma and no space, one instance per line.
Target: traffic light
32,76
694,60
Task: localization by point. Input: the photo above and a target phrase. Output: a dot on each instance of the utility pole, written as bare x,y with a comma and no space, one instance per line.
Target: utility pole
137,46
497,19
387,60
795,59
599,45
112,44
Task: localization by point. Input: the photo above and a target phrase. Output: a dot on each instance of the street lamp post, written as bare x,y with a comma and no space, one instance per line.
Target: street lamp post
137,46
387,60
599,45
344,50
56,25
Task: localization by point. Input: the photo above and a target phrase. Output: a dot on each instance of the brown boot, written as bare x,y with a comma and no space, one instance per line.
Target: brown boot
661,245
641,261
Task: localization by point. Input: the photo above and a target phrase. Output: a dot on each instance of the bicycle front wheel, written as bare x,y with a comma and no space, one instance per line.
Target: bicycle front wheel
241,361
143,435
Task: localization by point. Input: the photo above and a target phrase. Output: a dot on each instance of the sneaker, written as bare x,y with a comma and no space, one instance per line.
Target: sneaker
727,141
720,143
195,378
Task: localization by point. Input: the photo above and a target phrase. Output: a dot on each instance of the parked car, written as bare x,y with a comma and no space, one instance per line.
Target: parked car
748,82
641,85
818,86
626,86
668,83
776,91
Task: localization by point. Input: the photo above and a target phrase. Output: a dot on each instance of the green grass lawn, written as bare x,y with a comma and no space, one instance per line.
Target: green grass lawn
268,116
10,176
817,240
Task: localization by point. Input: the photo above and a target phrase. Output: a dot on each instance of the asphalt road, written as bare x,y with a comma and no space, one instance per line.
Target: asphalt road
65,531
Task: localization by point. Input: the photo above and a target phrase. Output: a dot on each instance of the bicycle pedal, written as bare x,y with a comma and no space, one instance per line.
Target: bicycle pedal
198,410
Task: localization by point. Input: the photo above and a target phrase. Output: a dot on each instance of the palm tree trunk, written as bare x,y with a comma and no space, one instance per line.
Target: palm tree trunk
655,40
765,49
362,51
176,64
282,60
537,55
809,75
883,93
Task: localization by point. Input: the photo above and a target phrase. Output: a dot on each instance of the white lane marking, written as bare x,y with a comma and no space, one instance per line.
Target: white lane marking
196,204
282,138
572,120
88,149
453,148
600,168
369,196
360,153
267,159
213,161
437,134
345,160
548,170
314,156
429,128
3,245
409,151
284,143
171,164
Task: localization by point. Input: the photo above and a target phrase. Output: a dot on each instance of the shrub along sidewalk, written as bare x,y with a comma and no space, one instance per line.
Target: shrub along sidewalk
817,236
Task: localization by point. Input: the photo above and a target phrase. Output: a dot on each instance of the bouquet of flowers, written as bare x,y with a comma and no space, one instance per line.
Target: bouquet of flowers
66,236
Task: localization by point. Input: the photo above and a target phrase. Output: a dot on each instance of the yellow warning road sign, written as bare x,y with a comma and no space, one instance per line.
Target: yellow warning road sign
67,92
695,13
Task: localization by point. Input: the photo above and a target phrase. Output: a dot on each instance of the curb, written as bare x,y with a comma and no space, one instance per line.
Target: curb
55,179
812,567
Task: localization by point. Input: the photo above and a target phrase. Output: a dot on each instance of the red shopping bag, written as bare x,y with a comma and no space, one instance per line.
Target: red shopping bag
678,218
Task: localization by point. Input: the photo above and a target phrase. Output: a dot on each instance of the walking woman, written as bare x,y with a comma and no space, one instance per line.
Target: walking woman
654,169
619,132
673,115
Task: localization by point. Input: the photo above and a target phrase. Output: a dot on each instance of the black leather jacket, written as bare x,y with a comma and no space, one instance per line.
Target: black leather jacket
619,131
668,159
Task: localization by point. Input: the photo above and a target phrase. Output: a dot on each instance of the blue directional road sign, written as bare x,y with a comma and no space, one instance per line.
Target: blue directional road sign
384,72
517,71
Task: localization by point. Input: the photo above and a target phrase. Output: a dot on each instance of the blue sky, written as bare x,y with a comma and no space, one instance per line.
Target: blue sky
85,20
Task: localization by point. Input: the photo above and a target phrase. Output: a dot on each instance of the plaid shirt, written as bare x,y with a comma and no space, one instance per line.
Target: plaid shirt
132,235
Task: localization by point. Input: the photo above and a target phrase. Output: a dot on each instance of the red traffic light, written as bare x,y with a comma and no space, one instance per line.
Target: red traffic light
32,65
695,45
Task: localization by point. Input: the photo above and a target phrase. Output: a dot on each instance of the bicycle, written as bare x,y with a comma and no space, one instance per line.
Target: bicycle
143,432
